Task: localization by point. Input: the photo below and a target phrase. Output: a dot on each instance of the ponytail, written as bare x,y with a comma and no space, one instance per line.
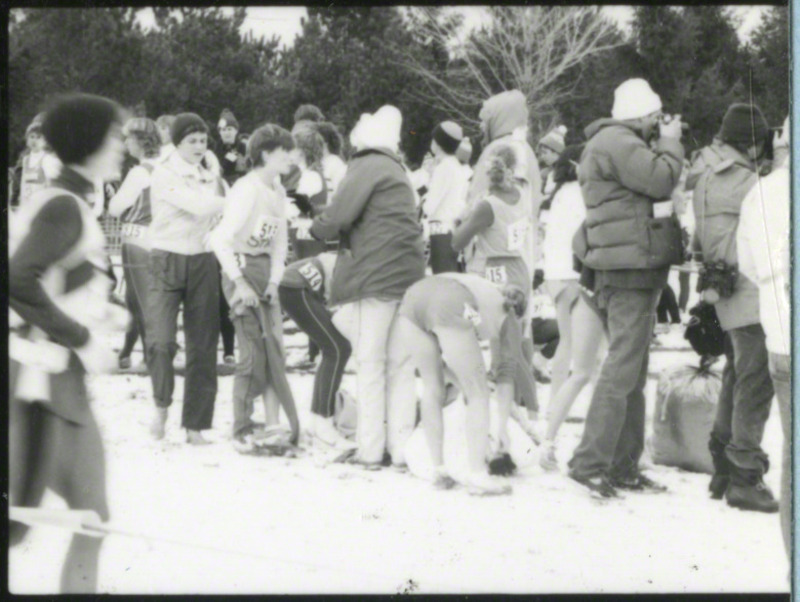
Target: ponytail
514,301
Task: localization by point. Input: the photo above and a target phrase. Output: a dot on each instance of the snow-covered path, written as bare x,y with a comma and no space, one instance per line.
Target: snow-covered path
276,525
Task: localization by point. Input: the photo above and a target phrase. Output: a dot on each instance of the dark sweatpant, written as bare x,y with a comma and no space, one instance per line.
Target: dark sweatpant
191,280
313,318
443,257
137,273
668,307
226,330
613,438
745,399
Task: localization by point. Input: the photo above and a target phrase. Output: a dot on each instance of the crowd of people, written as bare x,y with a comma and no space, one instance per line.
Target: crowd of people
402,273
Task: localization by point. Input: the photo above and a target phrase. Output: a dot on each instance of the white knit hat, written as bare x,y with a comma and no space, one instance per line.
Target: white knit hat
355,133
382,129
633,99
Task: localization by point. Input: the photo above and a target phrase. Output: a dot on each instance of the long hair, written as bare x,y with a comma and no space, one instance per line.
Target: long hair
501,168
311,144
145,132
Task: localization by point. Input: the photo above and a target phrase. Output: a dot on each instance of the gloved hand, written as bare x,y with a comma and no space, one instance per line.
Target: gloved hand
302,202
96,357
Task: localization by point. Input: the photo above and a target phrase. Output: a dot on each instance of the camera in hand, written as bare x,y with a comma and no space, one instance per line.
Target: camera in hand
717,280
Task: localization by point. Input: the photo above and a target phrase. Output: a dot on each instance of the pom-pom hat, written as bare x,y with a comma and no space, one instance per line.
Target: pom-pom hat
555,140
634,99
227,119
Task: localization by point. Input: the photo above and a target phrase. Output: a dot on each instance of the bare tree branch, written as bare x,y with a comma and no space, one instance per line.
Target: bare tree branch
527,48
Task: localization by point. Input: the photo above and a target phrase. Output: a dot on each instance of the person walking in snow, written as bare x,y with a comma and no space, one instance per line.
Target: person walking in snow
59,297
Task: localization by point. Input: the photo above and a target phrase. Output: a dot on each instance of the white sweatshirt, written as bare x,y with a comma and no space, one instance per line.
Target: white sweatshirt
185,200
763,249
567,212
447,193
253,223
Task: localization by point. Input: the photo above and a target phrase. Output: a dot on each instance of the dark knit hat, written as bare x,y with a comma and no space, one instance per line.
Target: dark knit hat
744,126
448,135
76,125
185,124
227,119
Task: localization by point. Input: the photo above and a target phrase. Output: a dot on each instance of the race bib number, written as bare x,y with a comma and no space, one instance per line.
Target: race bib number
312,275
264,232
439,228
472,315
497,274
241,260
132,231
304,229
517,234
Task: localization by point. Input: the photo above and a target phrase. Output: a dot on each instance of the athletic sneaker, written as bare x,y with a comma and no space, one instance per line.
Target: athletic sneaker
482,484
324,430
243,443
638,482
124,363
229,360
598,484
547,458
442,480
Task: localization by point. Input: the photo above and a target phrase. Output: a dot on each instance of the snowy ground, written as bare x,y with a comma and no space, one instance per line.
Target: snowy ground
274,525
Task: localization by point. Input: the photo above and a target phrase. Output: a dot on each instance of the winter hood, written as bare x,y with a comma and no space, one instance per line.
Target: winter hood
503,113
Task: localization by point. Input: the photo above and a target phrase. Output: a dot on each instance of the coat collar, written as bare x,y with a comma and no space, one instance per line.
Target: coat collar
71,180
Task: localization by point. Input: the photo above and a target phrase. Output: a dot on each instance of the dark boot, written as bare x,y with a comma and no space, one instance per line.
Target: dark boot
722,469
747,491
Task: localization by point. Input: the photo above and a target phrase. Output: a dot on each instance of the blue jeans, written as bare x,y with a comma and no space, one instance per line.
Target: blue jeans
613,438
744,399
780,369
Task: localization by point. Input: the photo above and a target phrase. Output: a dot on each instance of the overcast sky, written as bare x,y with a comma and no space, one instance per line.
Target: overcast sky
285,20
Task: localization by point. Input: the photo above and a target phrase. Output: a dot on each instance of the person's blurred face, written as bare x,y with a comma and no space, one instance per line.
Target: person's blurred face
548,155
296,157
193,147
228,134
106,163
133,147
35,142
279,161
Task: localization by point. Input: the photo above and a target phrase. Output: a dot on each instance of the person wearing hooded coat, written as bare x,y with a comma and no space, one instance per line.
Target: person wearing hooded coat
504,122
721,175
381,254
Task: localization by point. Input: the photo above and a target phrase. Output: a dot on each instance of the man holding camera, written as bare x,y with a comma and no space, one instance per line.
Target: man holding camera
721,176
630,239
